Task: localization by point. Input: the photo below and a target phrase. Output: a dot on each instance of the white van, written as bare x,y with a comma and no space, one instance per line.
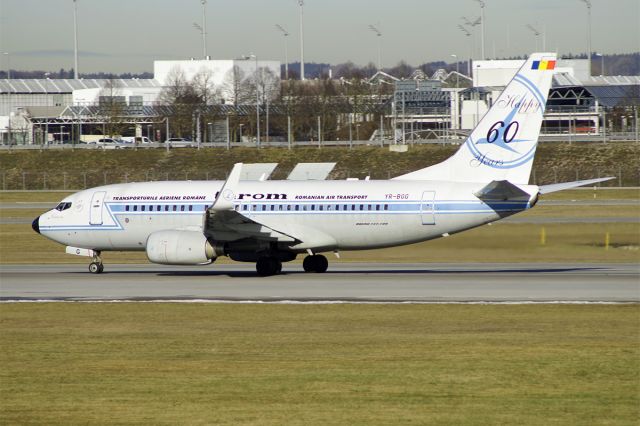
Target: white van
137,139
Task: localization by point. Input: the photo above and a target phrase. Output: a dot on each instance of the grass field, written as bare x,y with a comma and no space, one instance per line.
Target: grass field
53,169
319,364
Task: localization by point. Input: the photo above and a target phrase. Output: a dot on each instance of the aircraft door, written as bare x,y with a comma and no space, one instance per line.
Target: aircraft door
427,208
95,212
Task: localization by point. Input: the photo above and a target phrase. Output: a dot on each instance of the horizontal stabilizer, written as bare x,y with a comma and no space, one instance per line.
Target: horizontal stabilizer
257,171
311,171
501,190
546,189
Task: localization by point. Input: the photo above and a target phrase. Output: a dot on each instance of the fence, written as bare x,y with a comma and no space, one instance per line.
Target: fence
29,180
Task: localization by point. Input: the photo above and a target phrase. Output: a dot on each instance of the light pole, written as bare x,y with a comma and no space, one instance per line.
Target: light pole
482,23
378,34
301,3
285,33
472,25
204,28
252,56
457,72
588,3
201,30
536,33
468,34
8,55
75,39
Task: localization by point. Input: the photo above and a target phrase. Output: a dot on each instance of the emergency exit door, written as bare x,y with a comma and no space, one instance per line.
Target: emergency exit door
427,208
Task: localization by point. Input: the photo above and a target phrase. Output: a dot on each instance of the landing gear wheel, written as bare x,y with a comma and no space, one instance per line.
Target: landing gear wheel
96,268
307,264
315,263
321,264
267,266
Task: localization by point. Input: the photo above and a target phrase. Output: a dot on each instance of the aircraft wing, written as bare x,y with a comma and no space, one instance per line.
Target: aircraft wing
224,223
547,189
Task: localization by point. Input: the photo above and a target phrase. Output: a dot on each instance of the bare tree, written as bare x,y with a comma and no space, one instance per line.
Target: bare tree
184,100
235,87
112,105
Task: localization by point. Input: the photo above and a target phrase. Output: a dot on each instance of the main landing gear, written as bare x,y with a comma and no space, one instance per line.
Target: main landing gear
315,263
96,267
268,265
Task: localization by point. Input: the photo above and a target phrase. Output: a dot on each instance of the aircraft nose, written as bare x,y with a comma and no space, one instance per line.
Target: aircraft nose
36,224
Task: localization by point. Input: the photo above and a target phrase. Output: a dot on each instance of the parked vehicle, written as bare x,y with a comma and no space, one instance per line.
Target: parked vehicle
179,142
110,143
136,139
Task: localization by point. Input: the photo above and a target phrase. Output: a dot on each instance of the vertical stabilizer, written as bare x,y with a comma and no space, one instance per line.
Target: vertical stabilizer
503,144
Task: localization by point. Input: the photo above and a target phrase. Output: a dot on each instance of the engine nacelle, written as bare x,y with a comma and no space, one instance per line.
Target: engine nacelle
174,247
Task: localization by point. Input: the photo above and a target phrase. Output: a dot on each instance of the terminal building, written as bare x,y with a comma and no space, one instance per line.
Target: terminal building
42,111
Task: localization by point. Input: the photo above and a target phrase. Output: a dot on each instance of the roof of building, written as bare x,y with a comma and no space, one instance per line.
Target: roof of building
51,85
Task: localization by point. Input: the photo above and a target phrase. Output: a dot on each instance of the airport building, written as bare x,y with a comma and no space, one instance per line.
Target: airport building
577,103
447,105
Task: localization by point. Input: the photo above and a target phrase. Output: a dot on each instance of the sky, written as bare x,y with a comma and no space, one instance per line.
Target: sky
128,35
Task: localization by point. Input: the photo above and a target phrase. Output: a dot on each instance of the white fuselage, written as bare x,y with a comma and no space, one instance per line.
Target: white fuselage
319,215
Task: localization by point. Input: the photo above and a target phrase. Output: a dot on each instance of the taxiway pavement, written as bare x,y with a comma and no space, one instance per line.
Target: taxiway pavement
346,282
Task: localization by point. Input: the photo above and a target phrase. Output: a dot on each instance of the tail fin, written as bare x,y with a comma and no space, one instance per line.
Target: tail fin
503,144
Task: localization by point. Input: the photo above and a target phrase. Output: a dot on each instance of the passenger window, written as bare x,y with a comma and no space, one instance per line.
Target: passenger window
377,206
126,208
166,208
329,207
353,206
244,207
273,207
320,207
280,207
368,206
304,207
386,206
135,208
190,208
361,206
159,208
313,206
297,207
175,208
289,207
142,208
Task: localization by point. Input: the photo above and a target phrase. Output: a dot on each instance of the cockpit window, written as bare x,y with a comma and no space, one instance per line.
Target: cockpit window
63,206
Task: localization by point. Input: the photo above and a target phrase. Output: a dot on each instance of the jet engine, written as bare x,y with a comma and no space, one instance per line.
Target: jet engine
176,247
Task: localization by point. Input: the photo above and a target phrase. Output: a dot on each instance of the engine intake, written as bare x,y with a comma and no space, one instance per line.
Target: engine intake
174,247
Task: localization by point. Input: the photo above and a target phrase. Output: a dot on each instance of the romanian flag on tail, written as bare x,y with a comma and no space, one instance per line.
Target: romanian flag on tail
543,65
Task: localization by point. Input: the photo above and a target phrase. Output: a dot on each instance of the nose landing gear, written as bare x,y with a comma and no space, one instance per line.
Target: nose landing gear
96,267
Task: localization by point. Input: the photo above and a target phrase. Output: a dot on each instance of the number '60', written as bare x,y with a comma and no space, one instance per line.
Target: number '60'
508,134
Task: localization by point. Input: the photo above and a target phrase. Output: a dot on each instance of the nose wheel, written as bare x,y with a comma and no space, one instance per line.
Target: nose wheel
315,263
96,267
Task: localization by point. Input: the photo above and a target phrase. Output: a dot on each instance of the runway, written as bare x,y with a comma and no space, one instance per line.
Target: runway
344,282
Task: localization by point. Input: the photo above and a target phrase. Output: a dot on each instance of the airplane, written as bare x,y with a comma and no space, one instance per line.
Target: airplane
273,221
